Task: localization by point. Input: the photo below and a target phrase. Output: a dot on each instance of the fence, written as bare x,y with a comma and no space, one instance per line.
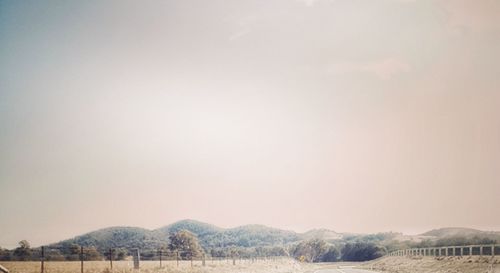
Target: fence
469,250
157,257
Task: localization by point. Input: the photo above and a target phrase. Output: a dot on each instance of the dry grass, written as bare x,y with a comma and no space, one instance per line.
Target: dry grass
225,266
436,265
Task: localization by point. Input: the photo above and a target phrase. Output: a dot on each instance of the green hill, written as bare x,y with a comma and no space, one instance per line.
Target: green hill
259,239
453,231
117,237
199,228
259,235
210,236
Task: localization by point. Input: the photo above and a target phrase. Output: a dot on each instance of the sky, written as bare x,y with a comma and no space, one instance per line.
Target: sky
352,115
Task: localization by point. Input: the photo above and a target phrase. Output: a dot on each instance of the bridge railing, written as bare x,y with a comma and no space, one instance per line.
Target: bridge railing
468,250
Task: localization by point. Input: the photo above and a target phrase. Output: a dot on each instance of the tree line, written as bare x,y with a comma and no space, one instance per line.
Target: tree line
317,250
185,245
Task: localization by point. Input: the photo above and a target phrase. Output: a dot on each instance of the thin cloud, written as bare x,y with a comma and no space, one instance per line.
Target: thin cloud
308,3
239,34
385,69
473,15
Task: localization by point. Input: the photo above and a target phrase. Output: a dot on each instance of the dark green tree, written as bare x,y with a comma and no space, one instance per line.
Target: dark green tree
23,252
72,252
361,252
331,255
91,254
310,251
186,244
5,254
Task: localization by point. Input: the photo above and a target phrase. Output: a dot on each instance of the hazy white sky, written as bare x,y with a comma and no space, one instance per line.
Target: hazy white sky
353,115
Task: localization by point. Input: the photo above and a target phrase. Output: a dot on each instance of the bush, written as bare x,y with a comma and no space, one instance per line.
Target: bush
361,252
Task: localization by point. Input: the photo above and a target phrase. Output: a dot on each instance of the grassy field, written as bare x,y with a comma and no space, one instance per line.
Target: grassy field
436,265
383,265
219,266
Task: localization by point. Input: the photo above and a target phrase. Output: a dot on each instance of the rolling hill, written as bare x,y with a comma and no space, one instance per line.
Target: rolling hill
251,237
324,234
453,231
210,236
117,237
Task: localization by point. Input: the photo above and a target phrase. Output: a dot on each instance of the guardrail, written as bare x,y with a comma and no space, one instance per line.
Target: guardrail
468,250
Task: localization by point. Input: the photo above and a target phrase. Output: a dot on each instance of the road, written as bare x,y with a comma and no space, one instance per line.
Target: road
345,270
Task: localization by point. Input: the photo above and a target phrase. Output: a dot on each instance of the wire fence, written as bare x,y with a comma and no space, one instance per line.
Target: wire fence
89,258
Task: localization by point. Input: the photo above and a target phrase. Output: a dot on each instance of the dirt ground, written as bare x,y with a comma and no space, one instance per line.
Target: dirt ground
436,265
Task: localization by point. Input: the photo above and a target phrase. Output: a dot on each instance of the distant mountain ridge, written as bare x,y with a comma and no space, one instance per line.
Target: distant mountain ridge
457,231
247,236
324,234
210,236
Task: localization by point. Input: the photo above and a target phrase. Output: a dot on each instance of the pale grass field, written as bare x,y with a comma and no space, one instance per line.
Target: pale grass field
465,264
222,266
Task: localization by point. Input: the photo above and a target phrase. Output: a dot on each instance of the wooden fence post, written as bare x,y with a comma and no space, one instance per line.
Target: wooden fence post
81,259
137,259
177,257
42,260
160,257
111,258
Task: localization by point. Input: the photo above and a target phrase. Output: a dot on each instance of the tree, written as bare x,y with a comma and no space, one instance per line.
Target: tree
54,255
4,254
73,252
310,251
186,243
361,252
331,255
120,254
23,252
91,254
117,254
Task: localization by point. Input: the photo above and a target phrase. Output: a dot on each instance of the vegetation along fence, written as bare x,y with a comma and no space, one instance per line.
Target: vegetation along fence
469,250
132,257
